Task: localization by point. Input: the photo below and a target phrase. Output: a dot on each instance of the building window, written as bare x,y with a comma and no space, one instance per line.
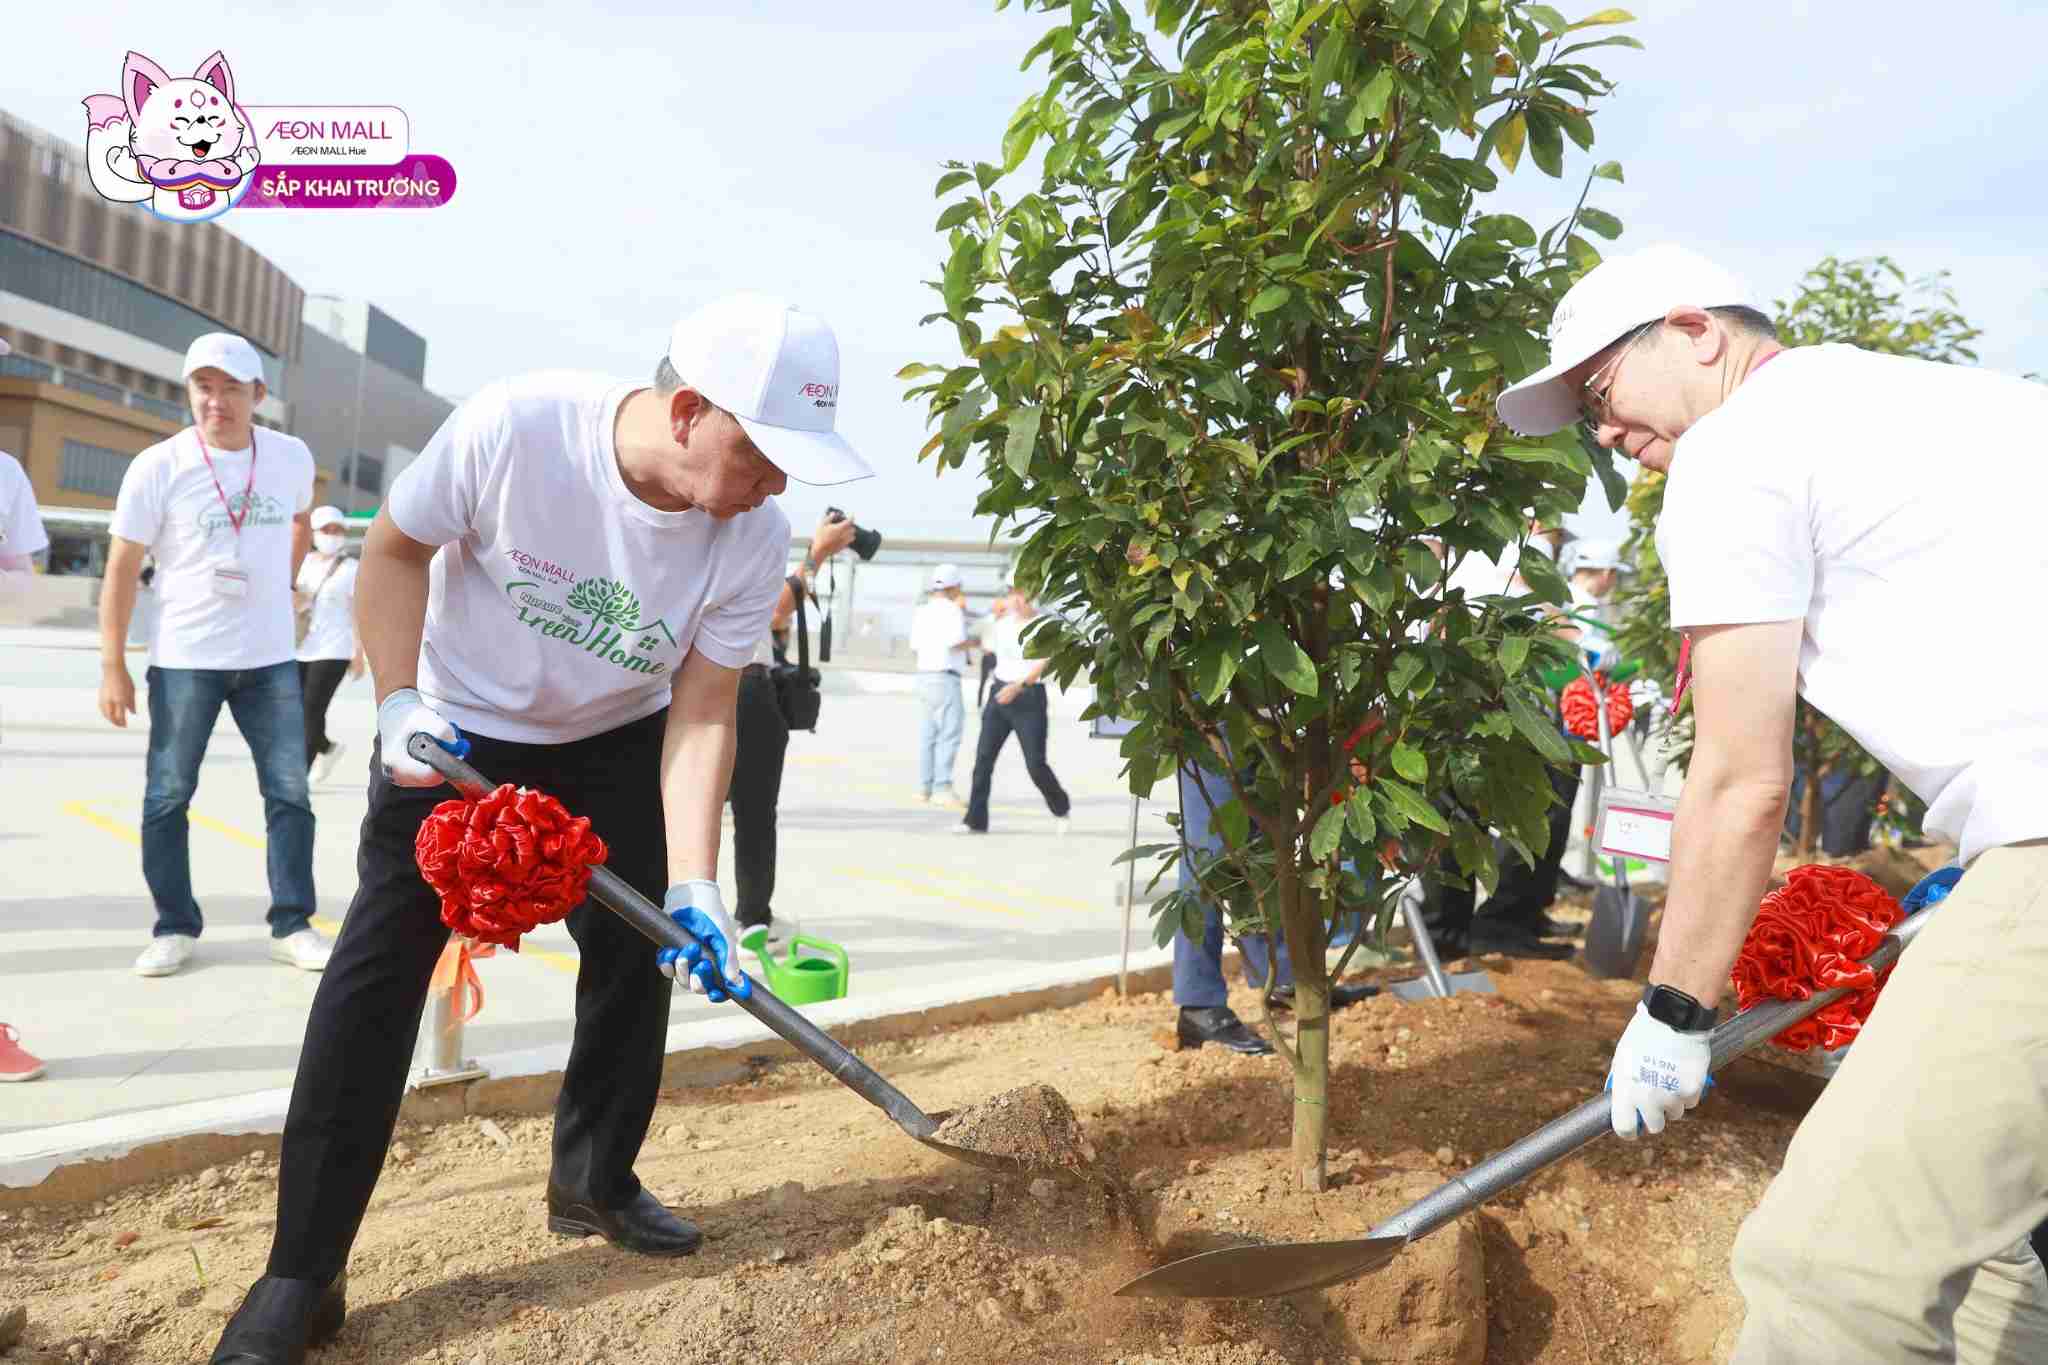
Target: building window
100,389
36,272
156,407
21,367
92,469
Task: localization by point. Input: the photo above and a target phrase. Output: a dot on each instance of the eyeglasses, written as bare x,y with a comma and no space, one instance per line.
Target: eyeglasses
1593,395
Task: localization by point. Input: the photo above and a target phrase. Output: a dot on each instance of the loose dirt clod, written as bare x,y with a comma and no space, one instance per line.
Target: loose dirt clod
1033,1123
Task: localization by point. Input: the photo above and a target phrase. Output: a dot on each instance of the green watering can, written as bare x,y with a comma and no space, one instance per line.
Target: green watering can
801,980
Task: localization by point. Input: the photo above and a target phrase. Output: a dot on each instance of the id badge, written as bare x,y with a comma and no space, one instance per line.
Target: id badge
1635,824
230,583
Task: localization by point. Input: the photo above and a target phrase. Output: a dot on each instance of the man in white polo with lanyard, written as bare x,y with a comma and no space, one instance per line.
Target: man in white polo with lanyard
1823,505
571,575
223,506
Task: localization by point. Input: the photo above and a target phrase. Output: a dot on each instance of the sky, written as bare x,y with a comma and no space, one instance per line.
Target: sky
619,162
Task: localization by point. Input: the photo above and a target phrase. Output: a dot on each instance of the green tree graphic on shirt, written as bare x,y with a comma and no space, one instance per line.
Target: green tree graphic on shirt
607,601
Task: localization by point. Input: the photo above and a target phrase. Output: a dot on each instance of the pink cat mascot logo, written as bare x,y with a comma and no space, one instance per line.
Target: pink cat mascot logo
180,145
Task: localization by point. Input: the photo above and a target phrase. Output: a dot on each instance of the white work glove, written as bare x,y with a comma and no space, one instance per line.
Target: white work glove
402,716
1657,1075
699,908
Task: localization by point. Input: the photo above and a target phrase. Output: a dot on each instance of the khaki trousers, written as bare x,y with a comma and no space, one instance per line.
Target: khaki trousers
1897,1230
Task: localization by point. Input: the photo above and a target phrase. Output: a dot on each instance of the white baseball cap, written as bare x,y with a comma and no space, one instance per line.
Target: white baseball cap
327,516
5,349
776,370
945,576
1591,554
224,351
1616,296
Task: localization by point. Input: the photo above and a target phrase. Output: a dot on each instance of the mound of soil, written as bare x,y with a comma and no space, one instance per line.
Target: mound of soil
831,1238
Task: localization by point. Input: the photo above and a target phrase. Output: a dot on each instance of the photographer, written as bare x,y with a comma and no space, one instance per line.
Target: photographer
762,739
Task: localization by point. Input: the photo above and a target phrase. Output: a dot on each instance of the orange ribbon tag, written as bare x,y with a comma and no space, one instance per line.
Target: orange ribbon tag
455,972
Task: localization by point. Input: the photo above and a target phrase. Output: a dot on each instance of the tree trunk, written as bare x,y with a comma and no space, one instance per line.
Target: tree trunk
1307,944
1810,803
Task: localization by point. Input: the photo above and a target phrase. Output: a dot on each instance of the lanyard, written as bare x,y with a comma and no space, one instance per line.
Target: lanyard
221,493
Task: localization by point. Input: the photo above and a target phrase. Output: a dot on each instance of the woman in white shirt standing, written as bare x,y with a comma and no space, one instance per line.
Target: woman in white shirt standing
325,597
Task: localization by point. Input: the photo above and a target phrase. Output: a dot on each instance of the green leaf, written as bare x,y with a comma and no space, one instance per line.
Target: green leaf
1023,438
951,180
1412,807
1328,833
1214,669
1535,726
1304,24
1284,659
1520,354
1369,101
1611,481
1409,762
1269,298
1232,822
1403,673
1606,224
956,214
1514,652
1546,142
1142,851
1358,814
1505,227
1017,142
1551,21
1608,170
1605,16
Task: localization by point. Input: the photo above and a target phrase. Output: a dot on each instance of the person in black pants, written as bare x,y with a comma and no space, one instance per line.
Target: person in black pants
324,598
1515,920
575,572
1019,706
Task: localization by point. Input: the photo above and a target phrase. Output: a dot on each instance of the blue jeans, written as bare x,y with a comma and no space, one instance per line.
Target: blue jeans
939,727
183,705
1198,968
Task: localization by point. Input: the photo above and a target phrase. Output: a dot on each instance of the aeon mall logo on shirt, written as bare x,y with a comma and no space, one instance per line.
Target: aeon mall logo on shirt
185,148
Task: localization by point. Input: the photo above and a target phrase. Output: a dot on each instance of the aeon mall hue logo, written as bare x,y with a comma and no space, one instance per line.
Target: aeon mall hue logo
185,148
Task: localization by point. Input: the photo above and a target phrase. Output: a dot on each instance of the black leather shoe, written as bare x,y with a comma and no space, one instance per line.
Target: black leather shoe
1539,924
641,1225
1341,997
279,1319
1220,1025
1512,940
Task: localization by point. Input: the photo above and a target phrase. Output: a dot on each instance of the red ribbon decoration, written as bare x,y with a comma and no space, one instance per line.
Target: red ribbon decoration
1810,935
1582,720
506,864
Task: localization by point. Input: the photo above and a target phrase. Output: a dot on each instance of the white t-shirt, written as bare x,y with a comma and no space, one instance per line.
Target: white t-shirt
21,529
1010,632
1895,506
561,605
226,596
331,624
1593,616
936,629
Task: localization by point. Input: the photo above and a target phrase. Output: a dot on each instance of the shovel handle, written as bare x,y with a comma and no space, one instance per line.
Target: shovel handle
1566,1134
610,890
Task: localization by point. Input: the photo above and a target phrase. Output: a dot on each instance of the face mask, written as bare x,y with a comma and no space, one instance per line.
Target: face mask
329,542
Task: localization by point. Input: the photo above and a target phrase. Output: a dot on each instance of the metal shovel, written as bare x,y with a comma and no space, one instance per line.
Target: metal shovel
1621,918
610,891
1256,1272
1435,983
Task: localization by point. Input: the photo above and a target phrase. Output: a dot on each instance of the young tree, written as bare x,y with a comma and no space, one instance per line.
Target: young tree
1867,302
1232,365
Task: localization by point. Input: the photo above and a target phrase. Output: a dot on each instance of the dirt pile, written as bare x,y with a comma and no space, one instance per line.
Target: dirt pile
1033,1124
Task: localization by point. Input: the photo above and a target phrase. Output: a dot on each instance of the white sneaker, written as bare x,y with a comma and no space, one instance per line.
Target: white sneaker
165,955
1062,825
968,829
324,769
922,798
948,798
307,950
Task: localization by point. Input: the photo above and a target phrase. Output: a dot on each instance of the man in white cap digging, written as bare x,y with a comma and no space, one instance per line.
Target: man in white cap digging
222,506
1823,505
571,576
940,639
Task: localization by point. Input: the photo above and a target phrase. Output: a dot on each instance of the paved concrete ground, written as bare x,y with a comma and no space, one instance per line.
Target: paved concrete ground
861,864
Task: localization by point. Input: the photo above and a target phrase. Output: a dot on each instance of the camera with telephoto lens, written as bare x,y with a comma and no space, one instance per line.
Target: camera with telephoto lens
865,541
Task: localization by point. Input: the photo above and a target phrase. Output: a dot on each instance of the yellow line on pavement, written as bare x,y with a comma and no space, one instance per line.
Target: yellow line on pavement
242,837
100,822
923,889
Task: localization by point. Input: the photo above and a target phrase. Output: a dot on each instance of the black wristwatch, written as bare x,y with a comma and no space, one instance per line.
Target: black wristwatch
1675,1009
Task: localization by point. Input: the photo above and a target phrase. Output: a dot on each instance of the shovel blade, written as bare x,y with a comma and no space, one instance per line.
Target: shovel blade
1461,983
1615,937
1264,1272
988,1161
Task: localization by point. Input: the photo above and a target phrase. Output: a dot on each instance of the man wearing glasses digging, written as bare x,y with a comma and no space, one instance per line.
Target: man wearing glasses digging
1824,503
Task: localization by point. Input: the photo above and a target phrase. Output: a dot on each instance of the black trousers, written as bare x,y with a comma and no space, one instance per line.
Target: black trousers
760,747
1523,892
366,1014
1026,716
318,679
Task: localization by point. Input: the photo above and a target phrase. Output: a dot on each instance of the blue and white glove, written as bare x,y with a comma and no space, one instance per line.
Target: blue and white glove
716,975
1657,1075
401,716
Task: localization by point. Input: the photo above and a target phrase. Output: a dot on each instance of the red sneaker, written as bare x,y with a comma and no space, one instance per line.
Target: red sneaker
15,1063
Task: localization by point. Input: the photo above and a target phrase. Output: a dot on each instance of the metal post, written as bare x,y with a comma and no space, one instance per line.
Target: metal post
1123,967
